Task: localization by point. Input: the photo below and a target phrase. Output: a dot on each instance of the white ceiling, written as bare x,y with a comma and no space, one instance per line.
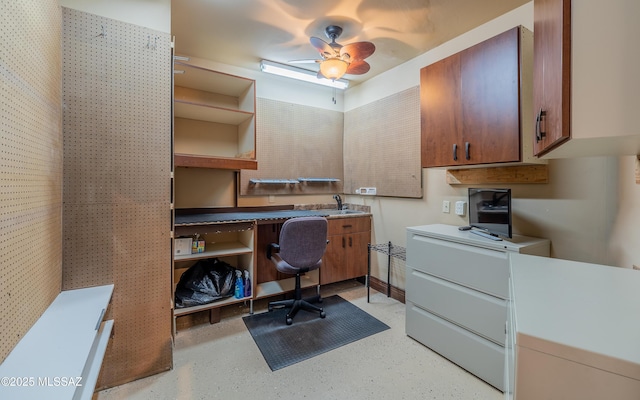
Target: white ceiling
243,32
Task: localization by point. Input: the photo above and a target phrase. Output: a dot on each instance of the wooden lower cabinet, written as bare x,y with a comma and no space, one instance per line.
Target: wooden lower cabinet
346,255
266,271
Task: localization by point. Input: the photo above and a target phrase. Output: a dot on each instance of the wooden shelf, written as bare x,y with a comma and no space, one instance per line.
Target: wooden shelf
272,288
213,250
203,112
200,161
203,307
499,175
211,81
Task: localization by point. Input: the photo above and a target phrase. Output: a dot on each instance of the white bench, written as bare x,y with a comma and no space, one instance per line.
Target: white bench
61,355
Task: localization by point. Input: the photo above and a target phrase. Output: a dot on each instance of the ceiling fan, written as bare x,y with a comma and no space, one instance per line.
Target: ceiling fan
337,59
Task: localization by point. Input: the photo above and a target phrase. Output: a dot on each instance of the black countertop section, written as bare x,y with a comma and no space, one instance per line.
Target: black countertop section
203,219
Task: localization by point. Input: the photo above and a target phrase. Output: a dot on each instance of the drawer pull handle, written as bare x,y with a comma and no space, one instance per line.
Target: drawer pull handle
343,243
347,226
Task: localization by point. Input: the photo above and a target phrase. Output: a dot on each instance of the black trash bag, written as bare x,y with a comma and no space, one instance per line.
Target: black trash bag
204,282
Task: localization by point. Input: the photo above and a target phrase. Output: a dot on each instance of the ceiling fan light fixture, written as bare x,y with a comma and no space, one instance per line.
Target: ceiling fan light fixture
333,68
300,74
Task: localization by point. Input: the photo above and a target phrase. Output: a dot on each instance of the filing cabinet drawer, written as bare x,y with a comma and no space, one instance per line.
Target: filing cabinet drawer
478,312
475,267
479,356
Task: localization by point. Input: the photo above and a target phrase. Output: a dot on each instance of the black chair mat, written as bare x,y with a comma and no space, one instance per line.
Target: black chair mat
282,345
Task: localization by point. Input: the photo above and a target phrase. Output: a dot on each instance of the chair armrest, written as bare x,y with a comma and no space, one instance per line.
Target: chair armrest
270,249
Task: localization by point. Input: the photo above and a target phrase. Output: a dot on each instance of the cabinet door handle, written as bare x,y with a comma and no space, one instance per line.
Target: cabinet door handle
455,152
343,243
467,154
350,242
540,129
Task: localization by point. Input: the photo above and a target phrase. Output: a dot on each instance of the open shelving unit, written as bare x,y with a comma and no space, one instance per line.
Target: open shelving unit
214,117
231,242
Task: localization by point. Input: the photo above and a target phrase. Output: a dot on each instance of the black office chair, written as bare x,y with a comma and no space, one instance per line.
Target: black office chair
302,244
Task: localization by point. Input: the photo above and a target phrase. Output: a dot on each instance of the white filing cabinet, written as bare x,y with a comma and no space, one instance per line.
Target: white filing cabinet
456,295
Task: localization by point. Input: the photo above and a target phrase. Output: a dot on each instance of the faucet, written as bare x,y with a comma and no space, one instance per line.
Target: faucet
337,198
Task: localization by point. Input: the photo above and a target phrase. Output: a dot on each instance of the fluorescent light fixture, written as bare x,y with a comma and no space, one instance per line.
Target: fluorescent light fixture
301,74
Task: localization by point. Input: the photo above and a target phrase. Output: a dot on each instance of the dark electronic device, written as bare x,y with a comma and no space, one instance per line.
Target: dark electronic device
490,211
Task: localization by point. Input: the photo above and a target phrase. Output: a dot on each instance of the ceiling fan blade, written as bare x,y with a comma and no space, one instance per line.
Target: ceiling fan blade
307,61
358,67
323,47
358,51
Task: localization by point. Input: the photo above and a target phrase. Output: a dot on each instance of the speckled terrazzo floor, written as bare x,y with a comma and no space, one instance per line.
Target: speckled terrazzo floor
221,361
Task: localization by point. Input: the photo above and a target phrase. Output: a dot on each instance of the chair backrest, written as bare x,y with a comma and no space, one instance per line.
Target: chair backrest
303,241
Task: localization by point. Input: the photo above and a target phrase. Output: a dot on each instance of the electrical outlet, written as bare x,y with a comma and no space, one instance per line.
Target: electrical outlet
445,206
371,191
461,207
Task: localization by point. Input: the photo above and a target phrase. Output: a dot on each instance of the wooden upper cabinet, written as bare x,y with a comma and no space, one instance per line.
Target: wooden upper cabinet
585,78
490,106
551,73
440,107
471,104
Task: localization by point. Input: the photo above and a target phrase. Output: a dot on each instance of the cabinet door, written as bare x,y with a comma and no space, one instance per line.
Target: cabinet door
357,260
335,260
439,112
346,255
551,73
490,84
266,271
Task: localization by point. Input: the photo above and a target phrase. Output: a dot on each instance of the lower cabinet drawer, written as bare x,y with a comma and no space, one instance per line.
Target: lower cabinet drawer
478,312
479,356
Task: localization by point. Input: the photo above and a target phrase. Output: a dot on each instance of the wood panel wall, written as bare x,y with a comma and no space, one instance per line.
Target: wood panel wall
30,165
117,164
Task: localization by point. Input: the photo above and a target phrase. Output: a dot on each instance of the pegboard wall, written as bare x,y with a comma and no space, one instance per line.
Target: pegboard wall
117,164
382,146
30,165
295,141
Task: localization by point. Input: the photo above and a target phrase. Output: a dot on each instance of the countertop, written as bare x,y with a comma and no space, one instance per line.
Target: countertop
215,218
586,313
451,232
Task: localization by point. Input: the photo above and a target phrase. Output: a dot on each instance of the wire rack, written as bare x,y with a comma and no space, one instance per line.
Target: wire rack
392,251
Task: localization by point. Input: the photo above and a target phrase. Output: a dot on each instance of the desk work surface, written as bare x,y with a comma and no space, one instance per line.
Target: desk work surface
214,218
583,312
